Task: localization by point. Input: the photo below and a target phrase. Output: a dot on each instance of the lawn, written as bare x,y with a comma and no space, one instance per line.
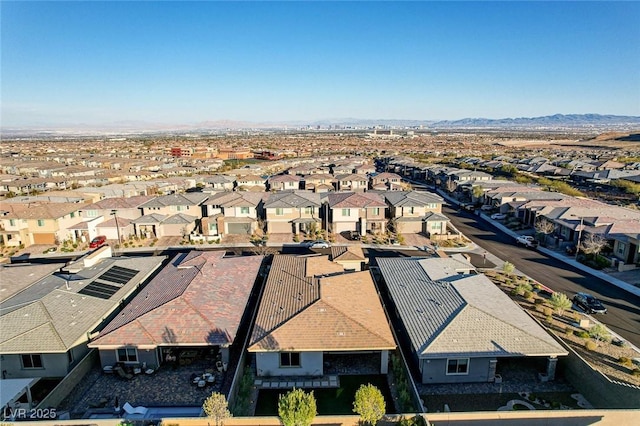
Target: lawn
329,401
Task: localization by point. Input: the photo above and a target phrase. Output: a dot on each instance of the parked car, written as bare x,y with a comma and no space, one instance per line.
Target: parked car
589,304
527,241
486,208
316,244
354,235
498,216
98,241
468,207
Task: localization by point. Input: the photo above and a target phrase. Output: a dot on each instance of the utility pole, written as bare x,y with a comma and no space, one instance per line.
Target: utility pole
579,237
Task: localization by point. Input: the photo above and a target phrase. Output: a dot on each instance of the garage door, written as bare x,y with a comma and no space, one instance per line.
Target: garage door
45,238
240,228
344,226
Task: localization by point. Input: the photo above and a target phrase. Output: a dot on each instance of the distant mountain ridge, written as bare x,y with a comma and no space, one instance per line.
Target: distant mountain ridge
557,121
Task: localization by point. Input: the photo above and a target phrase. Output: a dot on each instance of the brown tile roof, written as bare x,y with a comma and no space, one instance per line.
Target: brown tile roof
355,200
198,299
339,253
339,311
41,211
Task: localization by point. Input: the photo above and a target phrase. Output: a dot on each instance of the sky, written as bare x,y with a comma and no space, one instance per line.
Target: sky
188,62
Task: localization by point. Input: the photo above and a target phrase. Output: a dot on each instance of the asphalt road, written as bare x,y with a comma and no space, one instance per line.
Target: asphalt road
623,316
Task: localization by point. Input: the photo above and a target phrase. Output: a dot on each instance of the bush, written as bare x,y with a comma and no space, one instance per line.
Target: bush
583,334
538,301
635,372
569,332
625,361
590,345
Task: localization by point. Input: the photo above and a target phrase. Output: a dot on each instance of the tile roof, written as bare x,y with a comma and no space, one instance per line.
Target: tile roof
40,211
412,198
236,199
50,316
197,299
355,200
464,315
188,199
119,203
302,310
341,253
292,199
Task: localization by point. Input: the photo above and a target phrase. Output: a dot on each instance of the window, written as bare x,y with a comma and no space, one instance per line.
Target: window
346,212
12,222
73,214
621,248
40,222
308,210
92,213
436,225
127,355
244,210
412,210
458,366
181,208
433,205
375,211
290,359
279,212
31,361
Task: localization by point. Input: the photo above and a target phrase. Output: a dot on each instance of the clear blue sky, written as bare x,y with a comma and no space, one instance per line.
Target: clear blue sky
186,62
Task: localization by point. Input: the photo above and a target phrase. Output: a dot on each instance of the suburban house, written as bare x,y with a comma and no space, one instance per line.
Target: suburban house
313,315
460,325
250,183
168,205
46,326
39,223
232,213
219,182
111,217
156,225
191,309
319,182
348,211
416,211
351,182
386,182
292,212
284,182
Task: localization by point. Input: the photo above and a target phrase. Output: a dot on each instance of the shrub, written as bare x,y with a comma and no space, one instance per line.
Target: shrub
547,311
583,334
527,295
590,345
297,408
538,301
635,372
569,332
625,361
369,404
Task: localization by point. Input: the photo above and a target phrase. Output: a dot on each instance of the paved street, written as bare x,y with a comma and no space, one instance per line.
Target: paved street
623,315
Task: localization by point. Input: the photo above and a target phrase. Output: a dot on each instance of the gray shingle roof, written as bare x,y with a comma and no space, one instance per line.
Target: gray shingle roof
292,199
55,321
189,199
464,315
412,198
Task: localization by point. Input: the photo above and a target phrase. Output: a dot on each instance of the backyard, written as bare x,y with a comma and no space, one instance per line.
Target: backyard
329,401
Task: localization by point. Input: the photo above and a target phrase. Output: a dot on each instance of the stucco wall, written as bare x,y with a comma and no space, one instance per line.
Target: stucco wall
435,371
60,392
53,365
268,364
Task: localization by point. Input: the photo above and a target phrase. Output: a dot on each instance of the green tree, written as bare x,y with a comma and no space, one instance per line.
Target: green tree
297,408
508,268
369,404
477,191
600,333
216,407
560,302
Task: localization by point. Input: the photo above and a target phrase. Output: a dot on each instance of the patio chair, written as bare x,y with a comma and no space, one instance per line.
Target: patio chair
123,374
129,409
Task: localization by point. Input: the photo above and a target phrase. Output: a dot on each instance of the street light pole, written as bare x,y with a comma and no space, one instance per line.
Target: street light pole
579,236
115,216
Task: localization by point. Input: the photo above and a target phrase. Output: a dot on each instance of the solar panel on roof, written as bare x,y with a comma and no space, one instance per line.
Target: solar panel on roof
100,290
118,274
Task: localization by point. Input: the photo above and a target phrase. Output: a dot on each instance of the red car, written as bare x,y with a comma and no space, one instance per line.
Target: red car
98,241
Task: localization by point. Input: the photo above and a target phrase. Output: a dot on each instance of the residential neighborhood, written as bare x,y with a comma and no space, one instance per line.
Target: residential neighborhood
313,271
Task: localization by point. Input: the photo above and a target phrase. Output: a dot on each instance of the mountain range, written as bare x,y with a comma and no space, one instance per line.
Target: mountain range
557,121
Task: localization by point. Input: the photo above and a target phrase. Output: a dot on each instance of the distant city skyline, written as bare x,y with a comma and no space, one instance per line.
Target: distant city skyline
99,63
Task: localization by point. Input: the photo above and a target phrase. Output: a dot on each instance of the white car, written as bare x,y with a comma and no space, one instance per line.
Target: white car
317,244
498,216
